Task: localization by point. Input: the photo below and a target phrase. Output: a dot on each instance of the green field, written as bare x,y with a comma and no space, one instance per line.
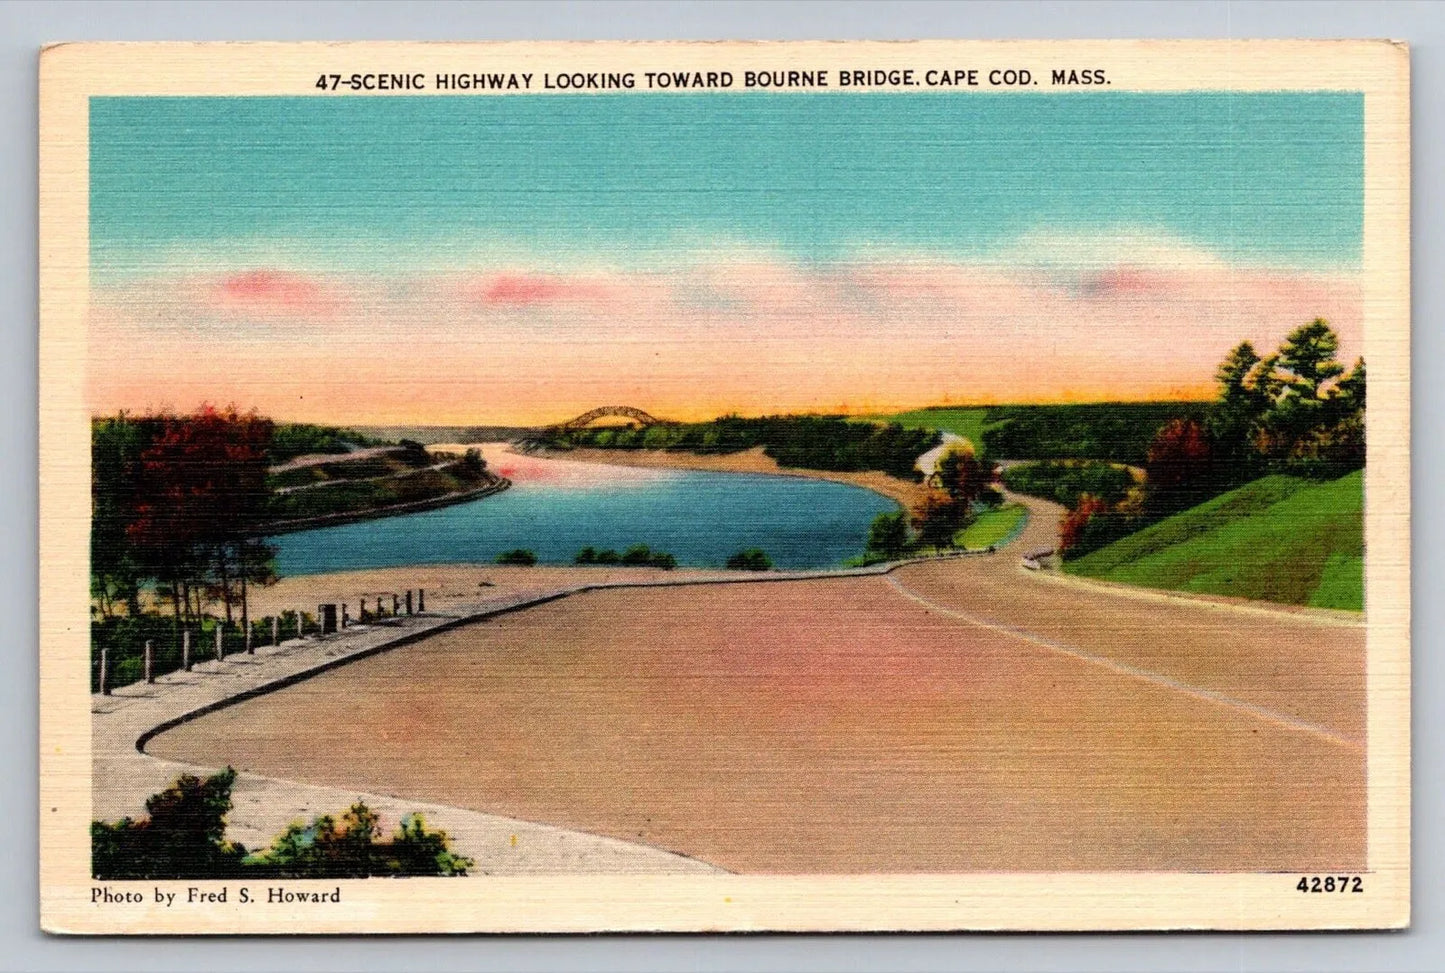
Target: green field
968,423
991,527
1118,432
1280,538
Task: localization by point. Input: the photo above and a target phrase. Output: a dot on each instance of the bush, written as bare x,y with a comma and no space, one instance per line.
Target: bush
640,555
518,556
184,838
1065,482
1094,524
939,518
888,536
752,559
350,848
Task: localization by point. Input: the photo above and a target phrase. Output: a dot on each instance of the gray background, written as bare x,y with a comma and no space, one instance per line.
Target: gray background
25,26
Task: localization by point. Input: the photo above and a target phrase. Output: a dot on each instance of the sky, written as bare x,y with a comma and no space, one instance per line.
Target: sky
519,259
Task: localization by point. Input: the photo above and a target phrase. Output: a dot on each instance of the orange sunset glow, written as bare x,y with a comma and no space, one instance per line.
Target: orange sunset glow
750,336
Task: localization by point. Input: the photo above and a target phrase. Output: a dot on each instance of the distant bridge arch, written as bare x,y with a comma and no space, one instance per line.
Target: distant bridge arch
602,412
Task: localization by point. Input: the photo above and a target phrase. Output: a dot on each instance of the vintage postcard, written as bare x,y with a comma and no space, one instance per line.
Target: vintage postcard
724,486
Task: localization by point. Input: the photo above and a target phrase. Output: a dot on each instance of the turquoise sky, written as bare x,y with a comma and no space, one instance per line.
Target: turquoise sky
1270,178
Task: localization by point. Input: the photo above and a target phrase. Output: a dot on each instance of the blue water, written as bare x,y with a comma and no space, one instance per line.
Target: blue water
699,518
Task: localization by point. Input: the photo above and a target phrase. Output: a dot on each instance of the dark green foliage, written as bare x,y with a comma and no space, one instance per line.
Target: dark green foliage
962,475
1092,524
1065,481
640,555
939,518
350,848
184,838
292,439
1116,431
116,447
518,556
370,483
888,535
752,559
636,556
1296,411
805,442
124,638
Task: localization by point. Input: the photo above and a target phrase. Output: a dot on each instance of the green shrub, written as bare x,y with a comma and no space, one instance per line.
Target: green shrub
184,838
518,556
752,559
1065,482
640,555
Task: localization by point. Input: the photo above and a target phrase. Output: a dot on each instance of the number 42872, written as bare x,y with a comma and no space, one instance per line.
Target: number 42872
1331,883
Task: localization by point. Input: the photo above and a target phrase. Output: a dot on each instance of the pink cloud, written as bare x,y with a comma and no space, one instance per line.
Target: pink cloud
274,290
522,289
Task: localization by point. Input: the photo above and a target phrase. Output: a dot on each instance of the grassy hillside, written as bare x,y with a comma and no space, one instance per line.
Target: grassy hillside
1280,538
992,527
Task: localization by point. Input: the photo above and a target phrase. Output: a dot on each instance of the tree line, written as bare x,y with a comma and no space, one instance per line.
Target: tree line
1298,410
834,443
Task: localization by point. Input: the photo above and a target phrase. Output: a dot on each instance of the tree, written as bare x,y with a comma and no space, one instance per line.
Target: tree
1073,529
202,504
1179,469
1308,359
962,475
938,518
115,456
888,535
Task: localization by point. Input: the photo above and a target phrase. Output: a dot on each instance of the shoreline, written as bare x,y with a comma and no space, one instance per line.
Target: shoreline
392,510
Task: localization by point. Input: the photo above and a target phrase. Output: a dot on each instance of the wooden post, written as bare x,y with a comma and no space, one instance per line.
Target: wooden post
394,606
250,639
378,606
343,615
421,600
408,601
220,645
150,662
186,649
104,671
275,629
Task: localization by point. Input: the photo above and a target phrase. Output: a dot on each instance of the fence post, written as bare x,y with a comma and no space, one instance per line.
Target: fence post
220,646
250,638
342,624
394,605
150,662
300,623
104,671
275,629
186,649
421,600
408,601
378,606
